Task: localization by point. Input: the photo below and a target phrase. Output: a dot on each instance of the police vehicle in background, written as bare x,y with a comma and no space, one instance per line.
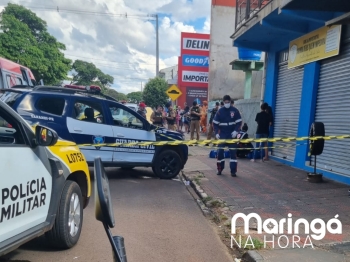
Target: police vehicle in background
45,184
81,114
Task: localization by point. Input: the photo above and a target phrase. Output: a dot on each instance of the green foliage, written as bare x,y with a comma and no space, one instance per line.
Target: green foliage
88,74
134,97
155,92
119,96
25,39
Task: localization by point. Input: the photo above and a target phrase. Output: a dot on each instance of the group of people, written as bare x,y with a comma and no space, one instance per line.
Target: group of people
225,122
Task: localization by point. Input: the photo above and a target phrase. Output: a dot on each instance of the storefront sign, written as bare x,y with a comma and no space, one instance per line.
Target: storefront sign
315,46
195,60
198,94
195,77
196,44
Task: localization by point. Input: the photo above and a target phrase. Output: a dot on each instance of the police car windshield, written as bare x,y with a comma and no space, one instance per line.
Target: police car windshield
10,98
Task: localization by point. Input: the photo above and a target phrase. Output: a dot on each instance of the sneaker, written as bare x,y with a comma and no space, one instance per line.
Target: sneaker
219,173
233,174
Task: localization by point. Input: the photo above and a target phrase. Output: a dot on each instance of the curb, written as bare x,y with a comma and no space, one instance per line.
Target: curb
252,256
249,256
194,192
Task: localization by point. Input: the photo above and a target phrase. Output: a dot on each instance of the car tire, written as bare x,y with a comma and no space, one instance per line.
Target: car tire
67,227
168,164
316,146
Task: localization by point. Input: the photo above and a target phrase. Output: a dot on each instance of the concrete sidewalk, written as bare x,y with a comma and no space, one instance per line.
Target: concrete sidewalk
274,190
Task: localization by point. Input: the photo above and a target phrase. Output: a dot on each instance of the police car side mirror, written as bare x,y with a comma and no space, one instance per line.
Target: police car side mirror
45,136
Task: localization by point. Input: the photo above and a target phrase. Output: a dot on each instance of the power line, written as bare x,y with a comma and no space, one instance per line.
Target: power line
88,12
106,60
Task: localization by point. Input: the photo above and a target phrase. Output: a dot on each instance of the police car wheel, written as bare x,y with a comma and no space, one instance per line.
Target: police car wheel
69,220
168,164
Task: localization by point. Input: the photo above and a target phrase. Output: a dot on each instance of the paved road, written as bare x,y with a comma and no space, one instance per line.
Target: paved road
158,218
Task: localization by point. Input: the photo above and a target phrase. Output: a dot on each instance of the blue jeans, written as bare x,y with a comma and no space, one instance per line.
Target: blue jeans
260,144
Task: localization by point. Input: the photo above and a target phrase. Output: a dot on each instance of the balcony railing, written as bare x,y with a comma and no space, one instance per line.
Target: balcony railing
246,9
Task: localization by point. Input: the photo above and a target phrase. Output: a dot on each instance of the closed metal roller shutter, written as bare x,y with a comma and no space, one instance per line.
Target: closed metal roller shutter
333,109
287,108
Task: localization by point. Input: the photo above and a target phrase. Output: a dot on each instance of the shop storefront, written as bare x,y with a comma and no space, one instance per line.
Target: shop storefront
288,97
307,80
333,107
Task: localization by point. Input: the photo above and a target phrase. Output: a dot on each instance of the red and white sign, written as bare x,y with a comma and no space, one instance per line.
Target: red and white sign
190,76
195,77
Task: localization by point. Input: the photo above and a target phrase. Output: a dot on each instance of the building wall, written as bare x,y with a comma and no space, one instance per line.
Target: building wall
169,74
222,79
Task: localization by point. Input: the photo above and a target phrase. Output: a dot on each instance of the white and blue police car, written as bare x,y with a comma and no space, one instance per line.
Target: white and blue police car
83,115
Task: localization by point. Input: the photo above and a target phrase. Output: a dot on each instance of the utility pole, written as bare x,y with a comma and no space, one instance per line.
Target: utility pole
141,86
157,46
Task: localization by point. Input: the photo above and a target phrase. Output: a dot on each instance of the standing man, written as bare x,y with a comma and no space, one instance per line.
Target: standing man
195,113
269,111
142,111
171,118
212,115
157,117
227,124
264,121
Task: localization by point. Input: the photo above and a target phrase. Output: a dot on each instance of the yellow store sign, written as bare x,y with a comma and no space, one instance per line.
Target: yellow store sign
315,46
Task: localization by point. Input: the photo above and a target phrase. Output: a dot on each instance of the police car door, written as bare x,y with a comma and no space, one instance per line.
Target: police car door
26,182
128,127
88,126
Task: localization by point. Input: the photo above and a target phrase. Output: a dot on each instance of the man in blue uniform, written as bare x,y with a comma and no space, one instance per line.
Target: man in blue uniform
227,123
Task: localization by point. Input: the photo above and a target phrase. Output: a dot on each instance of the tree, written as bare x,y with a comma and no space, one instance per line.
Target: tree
88,74
25,39
118,96
155,92
135,97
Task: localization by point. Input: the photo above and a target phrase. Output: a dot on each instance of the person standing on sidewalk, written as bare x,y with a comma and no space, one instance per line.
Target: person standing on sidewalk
171,118
195,113
212,115
269,111
264,121
142,110
227,123
157,117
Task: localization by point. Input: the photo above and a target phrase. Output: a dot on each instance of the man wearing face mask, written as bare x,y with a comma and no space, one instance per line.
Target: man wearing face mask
227,123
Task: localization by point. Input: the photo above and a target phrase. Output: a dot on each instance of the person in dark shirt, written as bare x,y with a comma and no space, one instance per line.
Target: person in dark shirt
142,109
269,111
264,121
212,115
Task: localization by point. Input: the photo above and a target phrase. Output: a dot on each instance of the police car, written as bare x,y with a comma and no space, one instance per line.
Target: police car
45,184
86,117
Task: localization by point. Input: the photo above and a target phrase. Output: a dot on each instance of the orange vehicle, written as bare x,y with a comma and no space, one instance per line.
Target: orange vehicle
12,74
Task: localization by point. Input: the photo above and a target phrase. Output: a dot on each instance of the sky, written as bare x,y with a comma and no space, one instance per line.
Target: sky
123,42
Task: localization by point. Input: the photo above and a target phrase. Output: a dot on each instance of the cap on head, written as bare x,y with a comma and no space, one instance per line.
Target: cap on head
142,105
194,103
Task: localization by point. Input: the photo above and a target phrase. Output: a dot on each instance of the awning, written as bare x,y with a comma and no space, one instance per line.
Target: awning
341,20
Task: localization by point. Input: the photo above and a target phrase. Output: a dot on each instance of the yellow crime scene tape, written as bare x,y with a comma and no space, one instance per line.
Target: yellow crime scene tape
221,141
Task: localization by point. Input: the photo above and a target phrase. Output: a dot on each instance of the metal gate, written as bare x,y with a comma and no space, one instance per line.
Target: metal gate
287,107
333,109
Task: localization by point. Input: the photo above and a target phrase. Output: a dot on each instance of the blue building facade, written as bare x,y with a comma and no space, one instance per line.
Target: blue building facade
314,91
